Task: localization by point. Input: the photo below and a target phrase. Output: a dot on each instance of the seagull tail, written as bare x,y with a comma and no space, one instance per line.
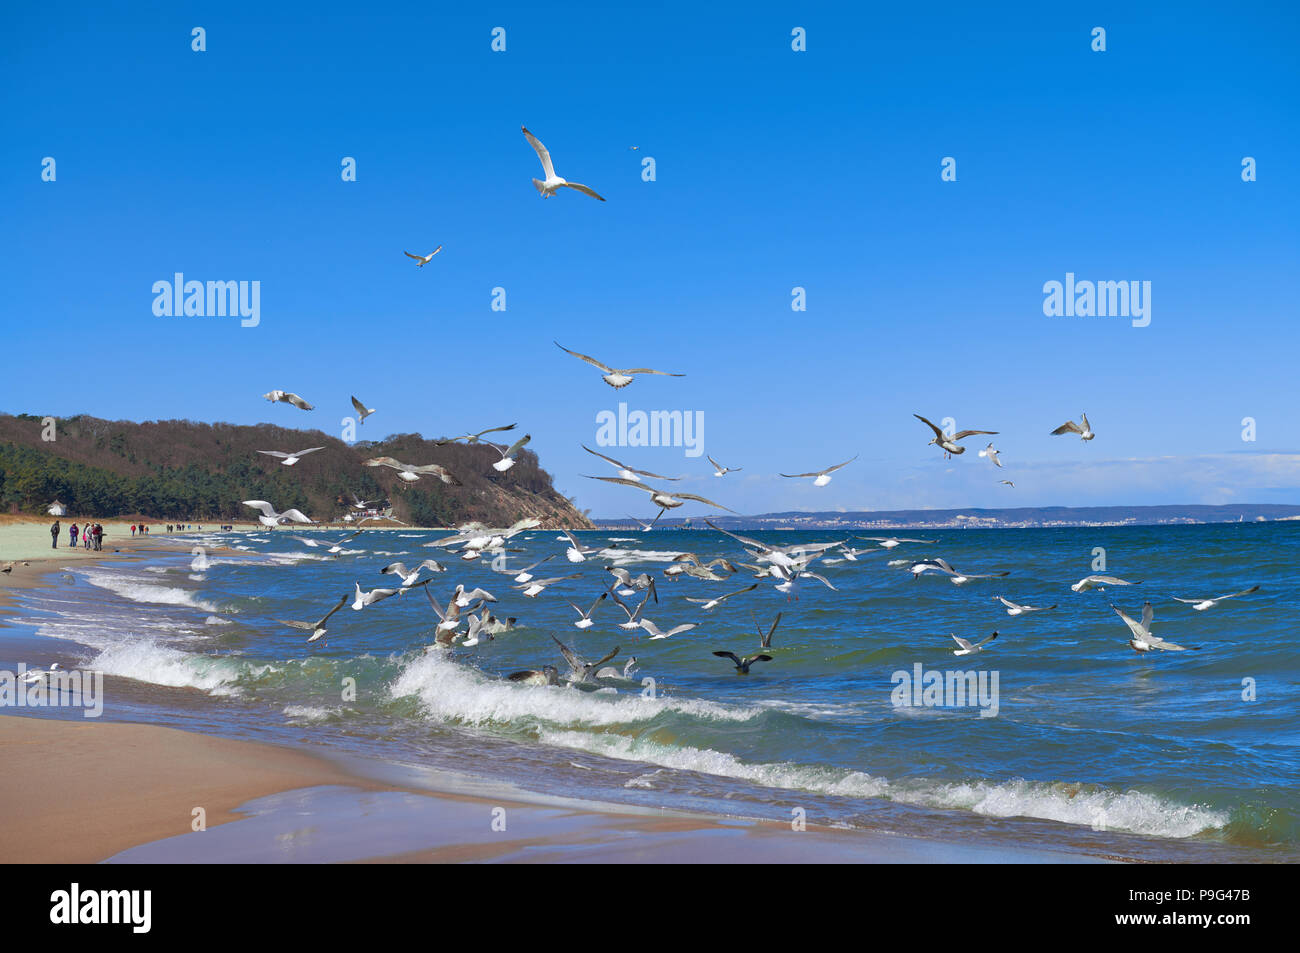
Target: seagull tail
540,186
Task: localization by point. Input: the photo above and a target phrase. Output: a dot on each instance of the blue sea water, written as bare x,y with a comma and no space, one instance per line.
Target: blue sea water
1090,747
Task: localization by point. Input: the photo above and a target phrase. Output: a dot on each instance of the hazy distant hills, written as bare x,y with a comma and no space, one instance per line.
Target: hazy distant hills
183,470
1023,516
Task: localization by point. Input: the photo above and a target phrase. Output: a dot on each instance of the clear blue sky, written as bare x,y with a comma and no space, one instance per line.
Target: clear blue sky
775,169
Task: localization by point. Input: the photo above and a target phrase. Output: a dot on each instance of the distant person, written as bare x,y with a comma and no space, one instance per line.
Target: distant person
72,535
99,537
133,531
54,535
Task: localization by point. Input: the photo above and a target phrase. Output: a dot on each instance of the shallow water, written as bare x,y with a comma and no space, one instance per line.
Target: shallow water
1092,747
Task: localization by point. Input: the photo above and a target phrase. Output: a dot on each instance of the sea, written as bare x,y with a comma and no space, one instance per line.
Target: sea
1063,738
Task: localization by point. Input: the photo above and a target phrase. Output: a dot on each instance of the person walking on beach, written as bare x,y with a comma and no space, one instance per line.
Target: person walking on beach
133,531
54,535
99,537
72,535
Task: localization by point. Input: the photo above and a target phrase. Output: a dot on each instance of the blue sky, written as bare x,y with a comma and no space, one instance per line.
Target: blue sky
775,169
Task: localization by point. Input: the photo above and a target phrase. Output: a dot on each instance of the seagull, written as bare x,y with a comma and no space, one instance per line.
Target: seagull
656,634
475,630
317,629
474,437
646,527
546,675
720,470
1142,640
1101,582
579,666
633,615
765,641
547,188
536,586
288,397
718,600
289,459
632,583
271,518
889,542
991,454
1015,608
584,622
410,474
364,599
462,598
32,676
743,664
948,444
1007,483
611,672
628,473
823,476
662,498
525,574
360,504
449,619
968,648
508,453
362,410
409,576
577,552
1084,432
422,260
615,378
1200,605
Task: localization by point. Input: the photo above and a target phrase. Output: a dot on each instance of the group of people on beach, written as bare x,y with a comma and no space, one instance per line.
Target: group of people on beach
91,535
142,529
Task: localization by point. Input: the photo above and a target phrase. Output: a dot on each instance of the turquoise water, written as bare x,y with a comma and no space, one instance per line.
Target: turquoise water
1092,747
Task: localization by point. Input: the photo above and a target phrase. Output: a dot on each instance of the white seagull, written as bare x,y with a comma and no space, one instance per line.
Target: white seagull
1015,608
1200,605
289,459
534,587
662,498
619,377
317,629
968,648
947,444
584,618
889,542
474,437
765,640
823,476
409,474
1142,640
508,453
720,470
991,454
364,599
288,397
409,576
580,668
547,188
628,473
422,260
1084,432
271,518
718,600
656,634
362,410
1101,582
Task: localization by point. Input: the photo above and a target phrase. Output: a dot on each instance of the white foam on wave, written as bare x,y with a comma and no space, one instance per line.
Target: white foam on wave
1133,811
216,620
624,557
137,590
160,665
306,713
449,691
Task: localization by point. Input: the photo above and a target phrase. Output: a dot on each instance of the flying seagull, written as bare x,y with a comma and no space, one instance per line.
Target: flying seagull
317,629
823,476
34,675
289,459
508,453
1084,432
474,437
577,552
1015,608
410,474
967,648
1008,483
656,634
422,260
743,664
633,615
581,669
525,574
534,587
584,618
273,519
720,470
615,378
287,397
362,410
1200,605
948,444
718,600
1101,582
626,472
889,542
1141,639
765,641
547,188
409,576
991,454
364,599
663,498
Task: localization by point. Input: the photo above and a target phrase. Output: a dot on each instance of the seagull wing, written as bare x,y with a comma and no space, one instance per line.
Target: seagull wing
583,189
341,603
541,152
1068,427
701,499
986,641
574,661
839,465
1134,626
1148,614
385,462
583,357
298,402
649,370
962,434
729,655
266,508
496,429
275,453
962,642
408,255
937,432
303,453
624,482
607,657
